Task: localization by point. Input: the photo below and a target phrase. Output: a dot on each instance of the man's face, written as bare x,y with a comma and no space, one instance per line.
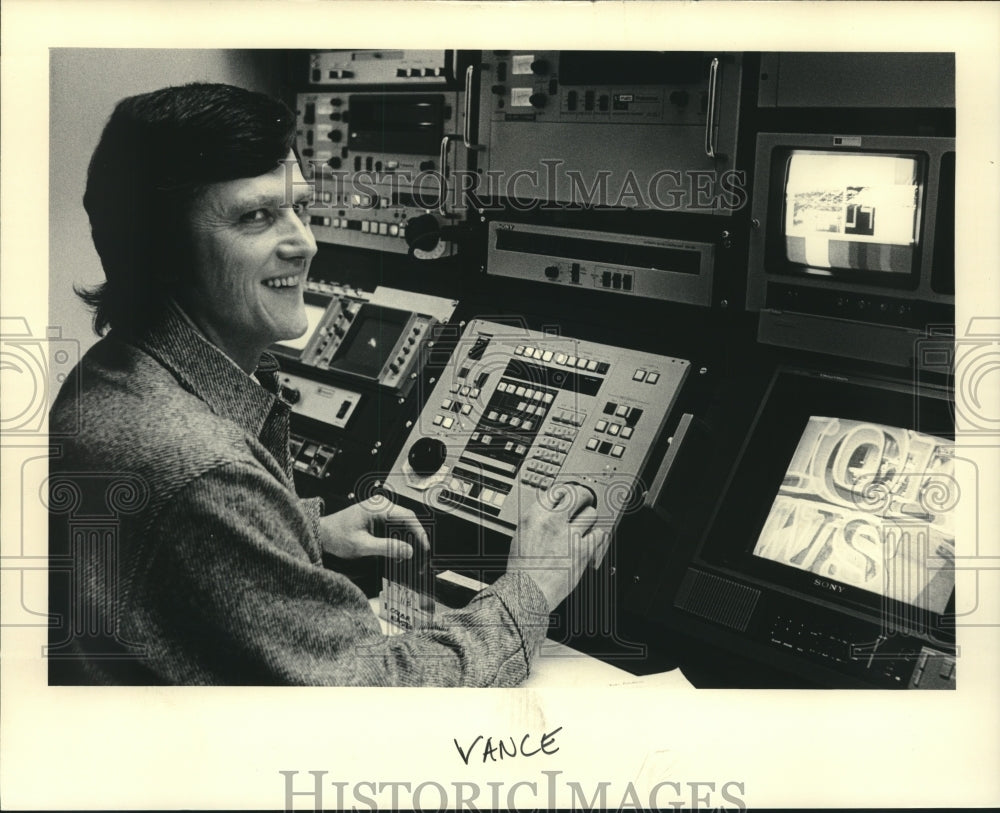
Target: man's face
251,247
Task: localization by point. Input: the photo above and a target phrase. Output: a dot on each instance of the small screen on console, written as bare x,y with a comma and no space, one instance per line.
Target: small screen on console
870,506
371,339
851,211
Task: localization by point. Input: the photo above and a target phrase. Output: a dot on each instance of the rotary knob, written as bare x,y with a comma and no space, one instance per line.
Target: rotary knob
426,456
538,99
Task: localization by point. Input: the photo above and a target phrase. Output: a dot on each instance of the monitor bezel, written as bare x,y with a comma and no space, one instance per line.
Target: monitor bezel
767,262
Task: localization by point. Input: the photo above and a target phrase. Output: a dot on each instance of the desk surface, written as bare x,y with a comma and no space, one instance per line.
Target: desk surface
559,666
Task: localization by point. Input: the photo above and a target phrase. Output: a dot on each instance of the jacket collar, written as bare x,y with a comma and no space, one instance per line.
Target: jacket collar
207,372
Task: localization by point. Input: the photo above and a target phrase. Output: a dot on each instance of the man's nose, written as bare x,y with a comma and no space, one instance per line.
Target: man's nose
297,240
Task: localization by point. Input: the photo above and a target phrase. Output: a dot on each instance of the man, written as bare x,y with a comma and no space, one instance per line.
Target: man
214,574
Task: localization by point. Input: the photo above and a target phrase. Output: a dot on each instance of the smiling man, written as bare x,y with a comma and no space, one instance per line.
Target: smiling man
213,574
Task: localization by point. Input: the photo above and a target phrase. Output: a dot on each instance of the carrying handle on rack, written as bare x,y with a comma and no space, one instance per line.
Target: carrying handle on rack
467,126
713,92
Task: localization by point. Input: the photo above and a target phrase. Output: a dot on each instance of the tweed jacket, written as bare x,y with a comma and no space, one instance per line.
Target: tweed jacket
210,569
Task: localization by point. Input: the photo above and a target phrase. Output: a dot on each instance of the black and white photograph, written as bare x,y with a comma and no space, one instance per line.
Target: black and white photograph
564,420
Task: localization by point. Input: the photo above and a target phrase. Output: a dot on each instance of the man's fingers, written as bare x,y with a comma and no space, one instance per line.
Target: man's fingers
401,520
395,549
584,521
573,497
601,541
404,516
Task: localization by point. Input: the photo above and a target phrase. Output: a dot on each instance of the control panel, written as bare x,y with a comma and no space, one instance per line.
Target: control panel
565,115
383,67
377,160
373,338
517,412
321,402
648,267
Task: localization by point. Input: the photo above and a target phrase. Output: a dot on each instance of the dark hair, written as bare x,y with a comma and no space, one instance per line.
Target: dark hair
157,152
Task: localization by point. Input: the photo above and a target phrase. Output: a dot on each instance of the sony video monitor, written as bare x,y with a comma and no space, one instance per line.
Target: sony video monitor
831,553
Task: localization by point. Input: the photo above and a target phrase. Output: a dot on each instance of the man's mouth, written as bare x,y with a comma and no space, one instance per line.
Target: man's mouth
291,281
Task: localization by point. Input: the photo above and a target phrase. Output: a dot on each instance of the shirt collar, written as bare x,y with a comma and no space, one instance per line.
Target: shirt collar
207,372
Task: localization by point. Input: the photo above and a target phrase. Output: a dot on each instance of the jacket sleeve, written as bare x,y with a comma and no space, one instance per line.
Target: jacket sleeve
230,593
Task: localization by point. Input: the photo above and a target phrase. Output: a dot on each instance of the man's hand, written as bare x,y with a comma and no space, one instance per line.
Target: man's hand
556,538
361,531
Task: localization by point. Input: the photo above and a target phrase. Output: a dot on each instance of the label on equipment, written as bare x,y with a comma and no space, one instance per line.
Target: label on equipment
520,97
521,64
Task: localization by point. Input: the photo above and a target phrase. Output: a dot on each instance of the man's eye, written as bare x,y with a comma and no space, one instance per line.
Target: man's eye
256,216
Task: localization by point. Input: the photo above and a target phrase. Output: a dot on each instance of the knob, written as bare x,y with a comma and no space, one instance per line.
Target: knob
426,456
540,67
290,395
335,163
538,99
498,90
426,166
552,271
336,136
680,98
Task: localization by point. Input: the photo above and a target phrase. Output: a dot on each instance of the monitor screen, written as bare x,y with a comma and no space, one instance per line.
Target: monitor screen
857,506
856,212
371,339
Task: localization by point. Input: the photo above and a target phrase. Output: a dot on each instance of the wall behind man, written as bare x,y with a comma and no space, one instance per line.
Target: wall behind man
84,86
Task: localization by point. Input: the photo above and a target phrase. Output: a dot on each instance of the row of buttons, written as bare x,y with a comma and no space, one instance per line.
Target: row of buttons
570,417
643,375
556,444
605,447
486,495
630,414
367,226
539,466
444,422
537,480
614,429
550,456
456,406
470,392
525,392
565,432
581,363
517,448
401,360
514,422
